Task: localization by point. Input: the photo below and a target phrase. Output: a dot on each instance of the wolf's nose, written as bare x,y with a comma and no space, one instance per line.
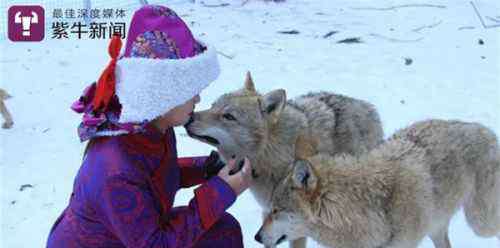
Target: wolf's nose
258,238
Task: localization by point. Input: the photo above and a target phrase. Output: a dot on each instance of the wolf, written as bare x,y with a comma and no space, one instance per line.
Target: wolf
407,188
264,128
3,109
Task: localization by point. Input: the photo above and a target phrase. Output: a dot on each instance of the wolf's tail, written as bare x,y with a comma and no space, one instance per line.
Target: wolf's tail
482,208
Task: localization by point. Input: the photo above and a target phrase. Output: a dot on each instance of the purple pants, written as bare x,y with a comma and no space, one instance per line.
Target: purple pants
225,233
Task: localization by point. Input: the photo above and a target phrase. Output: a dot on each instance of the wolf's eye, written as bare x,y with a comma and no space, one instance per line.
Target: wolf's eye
229,117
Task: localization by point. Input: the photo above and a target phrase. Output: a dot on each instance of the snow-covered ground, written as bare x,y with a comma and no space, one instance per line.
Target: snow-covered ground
451,75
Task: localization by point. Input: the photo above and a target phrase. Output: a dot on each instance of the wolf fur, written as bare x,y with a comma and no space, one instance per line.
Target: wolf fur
264,128
405,189
8,122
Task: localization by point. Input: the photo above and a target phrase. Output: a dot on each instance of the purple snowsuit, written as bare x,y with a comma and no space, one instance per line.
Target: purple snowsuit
124,192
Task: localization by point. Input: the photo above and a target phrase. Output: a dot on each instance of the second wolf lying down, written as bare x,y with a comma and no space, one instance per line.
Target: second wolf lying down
395,195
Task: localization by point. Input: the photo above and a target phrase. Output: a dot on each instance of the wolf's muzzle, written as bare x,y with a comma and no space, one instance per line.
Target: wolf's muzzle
189,122
281,239
258,238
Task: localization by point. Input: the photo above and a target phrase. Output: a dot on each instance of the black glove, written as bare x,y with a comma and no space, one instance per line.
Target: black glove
213,165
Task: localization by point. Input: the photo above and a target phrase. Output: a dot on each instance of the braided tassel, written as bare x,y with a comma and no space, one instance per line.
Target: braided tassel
107,81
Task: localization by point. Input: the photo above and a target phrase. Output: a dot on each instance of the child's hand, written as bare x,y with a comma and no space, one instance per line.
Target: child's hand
239,181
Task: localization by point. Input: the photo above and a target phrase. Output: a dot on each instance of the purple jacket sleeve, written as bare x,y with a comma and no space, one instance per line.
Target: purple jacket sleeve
192,171
131,213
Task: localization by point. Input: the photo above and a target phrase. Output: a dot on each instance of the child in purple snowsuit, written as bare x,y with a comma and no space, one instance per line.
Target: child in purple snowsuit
124,191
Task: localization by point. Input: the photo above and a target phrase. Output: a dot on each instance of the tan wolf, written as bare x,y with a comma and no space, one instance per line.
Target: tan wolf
264,128
405,189
3,109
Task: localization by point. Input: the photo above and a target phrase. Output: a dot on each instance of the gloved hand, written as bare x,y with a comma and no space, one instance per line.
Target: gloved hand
213,164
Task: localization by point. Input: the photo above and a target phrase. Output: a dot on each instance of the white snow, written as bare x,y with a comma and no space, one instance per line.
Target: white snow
448,78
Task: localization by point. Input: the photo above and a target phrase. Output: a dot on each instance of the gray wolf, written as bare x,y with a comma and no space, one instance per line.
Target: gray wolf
8,122
405,189
264,128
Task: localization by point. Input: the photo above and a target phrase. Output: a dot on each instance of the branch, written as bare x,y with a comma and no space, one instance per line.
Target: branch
478,15
493,19
214,5
330,34
293,31
481,18
350,40
396,40
225,55
401,6
427,26
466,27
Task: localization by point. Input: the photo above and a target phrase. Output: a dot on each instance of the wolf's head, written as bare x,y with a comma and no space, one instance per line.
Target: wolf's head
292,200
291,206
238,123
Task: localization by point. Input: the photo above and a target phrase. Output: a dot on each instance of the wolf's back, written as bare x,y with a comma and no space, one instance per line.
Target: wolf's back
464,160
353,126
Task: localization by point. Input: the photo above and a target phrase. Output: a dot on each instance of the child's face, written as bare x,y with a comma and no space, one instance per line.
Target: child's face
179,115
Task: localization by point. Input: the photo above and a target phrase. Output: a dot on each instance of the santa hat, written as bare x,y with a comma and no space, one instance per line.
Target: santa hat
163,66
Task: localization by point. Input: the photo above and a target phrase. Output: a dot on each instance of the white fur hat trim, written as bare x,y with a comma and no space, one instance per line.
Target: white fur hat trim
148,88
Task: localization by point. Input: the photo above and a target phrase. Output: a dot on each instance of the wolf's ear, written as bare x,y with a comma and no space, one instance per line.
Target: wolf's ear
304,176
273,103
305,146
4,95
249,85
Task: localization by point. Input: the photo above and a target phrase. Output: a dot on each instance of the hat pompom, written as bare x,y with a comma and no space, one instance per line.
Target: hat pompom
107,81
